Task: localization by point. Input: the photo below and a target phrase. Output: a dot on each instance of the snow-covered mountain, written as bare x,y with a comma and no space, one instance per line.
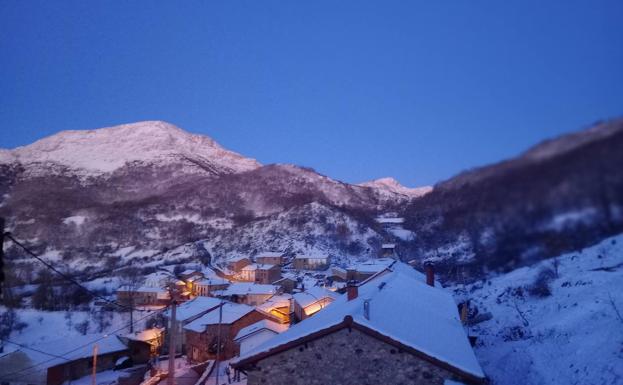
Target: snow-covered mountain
104,150
391,185
92,198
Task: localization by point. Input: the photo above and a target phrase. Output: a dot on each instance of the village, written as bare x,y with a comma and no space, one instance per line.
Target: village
271,318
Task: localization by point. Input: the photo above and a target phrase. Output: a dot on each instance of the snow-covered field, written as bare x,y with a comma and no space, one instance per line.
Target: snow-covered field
573,336
46,326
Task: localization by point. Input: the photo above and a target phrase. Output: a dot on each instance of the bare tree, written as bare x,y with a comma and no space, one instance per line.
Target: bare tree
614,307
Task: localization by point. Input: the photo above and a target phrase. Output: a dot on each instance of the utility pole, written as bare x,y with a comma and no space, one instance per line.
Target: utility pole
172,336
218,341
131,309
93,374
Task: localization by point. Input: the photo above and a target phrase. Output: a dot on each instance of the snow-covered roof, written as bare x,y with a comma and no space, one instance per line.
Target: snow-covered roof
282,300
403,309
74,348
390,220
388,246
212,281
258,266
261,325
269,254
145,335
372,266
242,288
142,289
313,295
238,258
232,312
190,271
194,307
312,256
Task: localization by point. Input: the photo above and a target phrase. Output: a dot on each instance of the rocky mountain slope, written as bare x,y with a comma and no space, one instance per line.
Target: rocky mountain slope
97,199
86,197
561,195
392,186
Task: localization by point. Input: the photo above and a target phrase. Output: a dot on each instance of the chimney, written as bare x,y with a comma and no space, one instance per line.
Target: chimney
429,268
352,290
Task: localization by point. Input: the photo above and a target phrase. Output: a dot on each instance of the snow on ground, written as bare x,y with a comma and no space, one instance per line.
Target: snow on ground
44,326
75,219
108,377
573,336
192,218
184,375
403,234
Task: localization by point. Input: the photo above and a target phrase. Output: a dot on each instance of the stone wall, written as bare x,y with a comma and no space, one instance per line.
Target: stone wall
346,357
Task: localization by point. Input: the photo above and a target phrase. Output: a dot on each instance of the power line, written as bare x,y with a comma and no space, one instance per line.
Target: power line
65,276
33,349
78,348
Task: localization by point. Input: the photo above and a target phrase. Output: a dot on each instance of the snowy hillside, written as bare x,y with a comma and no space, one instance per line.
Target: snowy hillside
556,322
392,186
108,149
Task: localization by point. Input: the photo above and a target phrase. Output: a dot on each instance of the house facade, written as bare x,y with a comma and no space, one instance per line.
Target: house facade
313,300
311,262
257,333
355,358
248,293
247,273
142,296
187,313
236,264
205,287
203,334
270,258
267,274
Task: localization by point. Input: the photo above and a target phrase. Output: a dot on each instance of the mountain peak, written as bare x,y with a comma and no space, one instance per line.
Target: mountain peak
107,149
389,184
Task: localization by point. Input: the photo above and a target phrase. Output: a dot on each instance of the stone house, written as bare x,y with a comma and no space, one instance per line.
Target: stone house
267,274
144,345
205,287
142,296
186,313
287,284
260,273
279,307
75,360
236,264
254,335
248,273
375,334
309,302
270,258
202,335
311,262
247,293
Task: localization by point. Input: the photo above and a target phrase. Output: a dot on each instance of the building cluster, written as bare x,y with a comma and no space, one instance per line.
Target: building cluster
379,321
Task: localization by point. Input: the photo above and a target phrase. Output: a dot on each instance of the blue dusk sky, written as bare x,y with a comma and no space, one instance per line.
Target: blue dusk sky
418,90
